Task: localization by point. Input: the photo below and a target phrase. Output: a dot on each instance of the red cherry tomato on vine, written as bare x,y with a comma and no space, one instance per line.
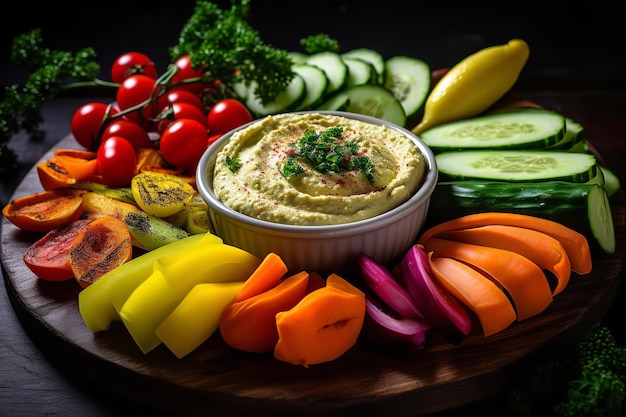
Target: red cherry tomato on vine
131,63
134,90
214,138
186,72
130,131
87,122
226,115
117,161
179,95
183,142
181,111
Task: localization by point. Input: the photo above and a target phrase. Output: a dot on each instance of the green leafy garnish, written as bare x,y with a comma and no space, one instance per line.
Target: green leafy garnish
319,43
233,164
327,152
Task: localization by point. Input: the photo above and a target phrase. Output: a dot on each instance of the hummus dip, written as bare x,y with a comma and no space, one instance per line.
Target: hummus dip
268,171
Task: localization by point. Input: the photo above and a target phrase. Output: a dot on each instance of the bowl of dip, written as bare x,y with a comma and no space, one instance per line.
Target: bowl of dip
318,188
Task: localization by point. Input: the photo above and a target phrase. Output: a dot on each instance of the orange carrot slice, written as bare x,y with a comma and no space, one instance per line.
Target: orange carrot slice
323,325
250,324
267,275
481,295
575,244
544,250
521,278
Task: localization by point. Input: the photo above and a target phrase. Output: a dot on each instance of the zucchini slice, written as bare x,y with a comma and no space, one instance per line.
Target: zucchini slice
521,129
583,207
409,79
517,165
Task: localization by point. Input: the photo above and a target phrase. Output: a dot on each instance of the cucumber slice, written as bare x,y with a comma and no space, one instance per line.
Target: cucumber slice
376,101
517,165
359,72
338,102
371,56
409,79
573,135
334,67
287,100
316,83
611,182
521,129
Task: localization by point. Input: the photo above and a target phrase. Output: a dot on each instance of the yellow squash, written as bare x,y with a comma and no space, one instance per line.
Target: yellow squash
474,84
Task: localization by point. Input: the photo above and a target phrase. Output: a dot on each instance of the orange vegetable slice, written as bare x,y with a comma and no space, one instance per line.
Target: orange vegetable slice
53,175
324,325
575,244
44,211
479,293
265,277
250,324
101,247
544,250
521,278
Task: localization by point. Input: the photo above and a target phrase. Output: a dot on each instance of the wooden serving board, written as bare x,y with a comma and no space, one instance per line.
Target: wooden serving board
219,380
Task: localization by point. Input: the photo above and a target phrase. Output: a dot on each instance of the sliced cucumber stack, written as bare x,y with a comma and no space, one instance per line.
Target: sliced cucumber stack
517,165
409,79
529,129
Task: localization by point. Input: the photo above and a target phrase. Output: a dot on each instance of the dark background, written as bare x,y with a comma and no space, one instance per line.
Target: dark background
571,45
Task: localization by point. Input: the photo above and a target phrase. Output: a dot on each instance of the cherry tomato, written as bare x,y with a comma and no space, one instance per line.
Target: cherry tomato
134,90
130,131
117,161
183,142
131,63
87,122
185,72
180,111
179,95
226,115
214,138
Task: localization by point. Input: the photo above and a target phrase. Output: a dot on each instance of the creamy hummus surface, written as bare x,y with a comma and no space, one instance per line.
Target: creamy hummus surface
356,171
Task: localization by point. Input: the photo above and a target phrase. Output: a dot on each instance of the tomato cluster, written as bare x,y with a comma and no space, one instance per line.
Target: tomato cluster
173,114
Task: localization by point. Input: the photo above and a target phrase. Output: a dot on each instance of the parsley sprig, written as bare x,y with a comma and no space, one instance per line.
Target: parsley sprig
327,152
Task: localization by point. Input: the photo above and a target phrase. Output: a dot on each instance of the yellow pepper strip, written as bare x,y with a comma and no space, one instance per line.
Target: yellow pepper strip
474,84
172,279
197,316
100,302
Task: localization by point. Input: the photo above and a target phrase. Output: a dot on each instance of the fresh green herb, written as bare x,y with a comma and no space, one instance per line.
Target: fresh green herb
50,73
233,164
230,50
328,152
320,43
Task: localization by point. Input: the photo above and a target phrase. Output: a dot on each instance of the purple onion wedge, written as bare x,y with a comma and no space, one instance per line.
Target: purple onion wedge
389,332
442,310
382,282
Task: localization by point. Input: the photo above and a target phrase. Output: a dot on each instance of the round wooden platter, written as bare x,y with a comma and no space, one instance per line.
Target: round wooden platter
217,379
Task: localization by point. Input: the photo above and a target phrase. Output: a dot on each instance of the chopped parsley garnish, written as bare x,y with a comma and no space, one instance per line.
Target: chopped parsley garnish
327,152
233,164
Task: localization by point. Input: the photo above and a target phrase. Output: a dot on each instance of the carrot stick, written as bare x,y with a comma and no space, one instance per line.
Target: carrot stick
521,278
481,295
266,276
544,250
575,243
